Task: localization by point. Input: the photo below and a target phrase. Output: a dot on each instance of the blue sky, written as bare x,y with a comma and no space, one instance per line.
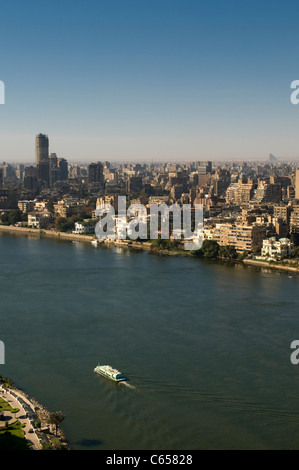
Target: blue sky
149,79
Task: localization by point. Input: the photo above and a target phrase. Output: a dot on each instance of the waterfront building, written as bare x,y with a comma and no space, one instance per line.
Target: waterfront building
243,237
277,249
84,228
36,218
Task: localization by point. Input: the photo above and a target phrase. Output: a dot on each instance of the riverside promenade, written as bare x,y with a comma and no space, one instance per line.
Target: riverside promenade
27,415
30,412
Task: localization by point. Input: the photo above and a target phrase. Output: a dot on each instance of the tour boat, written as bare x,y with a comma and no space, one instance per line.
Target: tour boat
110,373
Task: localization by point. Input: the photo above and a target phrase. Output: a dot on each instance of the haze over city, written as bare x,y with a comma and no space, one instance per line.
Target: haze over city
142,81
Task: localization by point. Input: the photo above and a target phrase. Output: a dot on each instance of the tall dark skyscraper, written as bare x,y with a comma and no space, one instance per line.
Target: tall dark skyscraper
95,173
41,148
63,167
42,157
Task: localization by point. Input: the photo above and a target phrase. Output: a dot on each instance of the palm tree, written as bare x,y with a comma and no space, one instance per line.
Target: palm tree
56,418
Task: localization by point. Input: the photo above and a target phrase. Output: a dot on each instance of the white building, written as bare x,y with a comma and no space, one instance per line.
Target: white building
35,218
277,249
82,228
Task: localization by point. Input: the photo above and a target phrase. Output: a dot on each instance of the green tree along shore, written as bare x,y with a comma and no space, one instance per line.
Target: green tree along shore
210,249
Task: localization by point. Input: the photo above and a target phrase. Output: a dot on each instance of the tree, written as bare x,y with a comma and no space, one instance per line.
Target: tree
210,249
227,251
12,217
15,216
56,418
63,224
5,219
50,206
296,252
242,256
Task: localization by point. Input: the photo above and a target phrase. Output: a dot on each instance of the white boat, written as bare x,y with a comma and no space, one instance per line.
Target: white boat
110,373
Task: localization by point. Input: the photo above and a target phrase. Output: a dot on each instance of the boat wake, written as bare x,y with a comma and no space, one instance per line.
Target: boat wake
128,385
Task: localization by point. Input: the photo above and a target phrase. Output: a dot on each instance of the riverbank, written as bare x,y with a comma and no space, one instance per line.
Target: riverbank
30,412
134,245
130,244
46,233
271,265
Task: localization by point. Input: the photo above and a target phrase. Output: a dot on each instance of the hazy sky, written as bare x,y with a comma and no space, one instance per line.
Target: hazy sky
149,79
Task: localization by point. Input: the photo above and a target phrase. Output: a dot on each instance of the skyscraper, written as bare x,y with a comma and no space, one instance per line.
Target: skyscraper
63,167
41,149
42,158
95,173
297,185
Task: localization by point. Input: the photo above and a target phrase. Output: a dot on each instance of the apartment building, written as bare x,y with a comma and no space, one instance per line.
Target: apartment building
243,237
294,219
267,192
26,206
239,193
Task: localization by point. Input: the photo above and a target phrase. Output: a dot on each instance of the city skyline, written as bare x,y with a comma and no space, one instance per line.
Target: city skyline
139,82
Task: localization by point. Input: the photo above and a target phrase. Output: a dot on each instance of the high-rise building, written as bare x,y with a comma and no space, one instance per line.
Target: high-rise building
243,237
239,193
95,172
294,220
282,212
30,178
54,170
42,158
222,180
134,184
204,167
41,149
63,167
53,160
297,185
267,192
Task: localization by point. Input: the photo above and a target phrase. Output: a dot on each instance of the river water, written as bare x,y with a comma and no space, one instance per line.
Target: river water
206,346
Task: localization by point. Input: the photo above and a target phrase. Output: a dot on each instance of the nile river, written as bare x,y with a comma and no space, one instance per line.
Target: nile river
206,346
